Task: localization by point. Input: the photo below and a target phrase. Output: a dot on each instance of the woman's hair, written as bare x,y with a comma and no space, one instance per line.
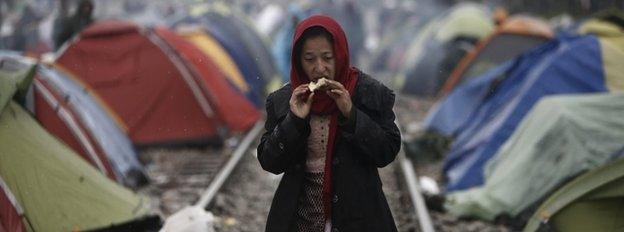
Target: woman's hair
312,32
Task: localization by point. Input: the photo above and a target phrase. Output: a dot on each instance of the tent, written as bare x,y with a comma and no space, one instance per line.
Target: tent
159,96
562,136
232,108
68,110
47,186
10,210
243,43
566,65
439,46
513,37
14,81
211,48
450,113
445,118
258,46
232,44
591,202
255,43
102,130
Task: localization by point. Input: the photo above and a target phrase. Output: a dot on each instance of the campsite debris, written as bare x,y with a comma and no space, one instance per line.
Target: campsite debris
409,111
230,221
190,219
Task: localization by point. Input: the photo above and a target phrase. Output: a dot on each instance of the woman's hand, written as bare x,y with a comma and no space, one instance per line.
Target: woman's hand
341,96
299,105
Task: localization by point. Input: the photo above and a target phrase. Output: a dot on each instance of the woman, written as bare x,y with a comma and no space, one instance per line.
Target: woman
330,142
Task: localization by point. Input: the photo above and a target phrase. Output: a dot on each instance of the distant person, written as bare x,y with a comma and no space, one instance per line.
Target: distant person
69,26
26,34
328,140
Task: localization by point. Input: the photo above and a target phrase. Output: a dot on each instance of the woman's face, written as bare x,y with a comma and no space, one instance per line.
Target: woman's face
317,58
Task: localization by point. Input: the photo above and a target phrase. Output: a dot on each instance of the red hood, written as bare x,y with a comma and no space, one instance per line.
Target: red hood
345,74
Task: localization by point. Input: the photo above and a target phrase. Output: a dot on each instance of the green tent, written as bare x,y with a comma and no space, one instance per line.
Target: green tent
591,202
431,51
56,189
562,136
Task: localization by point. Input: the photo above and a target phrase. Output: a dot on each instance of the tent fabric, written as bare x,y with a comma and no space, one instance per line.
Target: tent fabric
58,190
501,48
591,202
245,64
447,116
253,41
560,137
10,210
232,108
233,38
14,81
612,47
68,111
257,46
106,134
513,37
143,81
54,188
206,43
438,42
58,118
568,64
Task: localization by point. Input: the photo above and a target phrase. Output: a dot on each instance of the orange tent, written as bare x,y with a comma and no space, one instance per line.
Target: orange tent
159,86
514,36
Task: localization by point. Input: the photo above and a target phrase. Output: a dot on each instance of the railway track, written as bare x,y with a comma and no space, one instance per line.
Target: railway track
186,177
192,176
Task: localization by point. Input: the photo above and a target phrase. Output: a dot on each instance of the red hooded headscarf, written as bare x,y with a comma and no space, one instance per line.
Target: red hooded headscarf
322,103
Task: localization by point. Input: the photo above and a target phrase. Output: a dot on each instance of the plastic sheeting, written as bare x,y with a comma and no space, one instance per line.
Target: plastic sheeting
591,202
561,137
564,65
568,64
447,116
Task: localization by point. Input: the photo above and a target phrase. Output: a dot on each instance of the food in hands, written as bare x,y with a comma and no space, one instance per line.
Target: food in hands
313,86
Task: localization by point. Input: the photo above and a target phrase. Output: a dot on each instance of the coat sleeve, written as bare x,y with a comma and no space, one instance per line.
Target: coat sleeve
283,142
376,137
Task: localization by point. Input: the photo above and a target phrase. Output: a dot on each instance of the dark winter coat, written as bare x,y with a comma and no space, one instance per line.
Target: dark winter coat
367,141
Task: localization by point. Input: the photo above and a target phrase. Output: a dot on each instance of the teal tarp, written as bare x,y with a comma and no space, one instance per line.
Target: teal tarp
561,137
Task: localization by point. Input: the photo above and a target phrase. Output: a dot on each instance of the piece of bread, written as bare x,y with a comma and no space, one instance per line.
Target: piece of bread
313,86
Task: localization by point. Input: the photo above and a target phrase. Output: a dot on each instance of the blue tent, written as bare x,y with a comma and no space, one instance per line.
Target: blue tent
114,142
220,29
447,116
256,46
568,64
